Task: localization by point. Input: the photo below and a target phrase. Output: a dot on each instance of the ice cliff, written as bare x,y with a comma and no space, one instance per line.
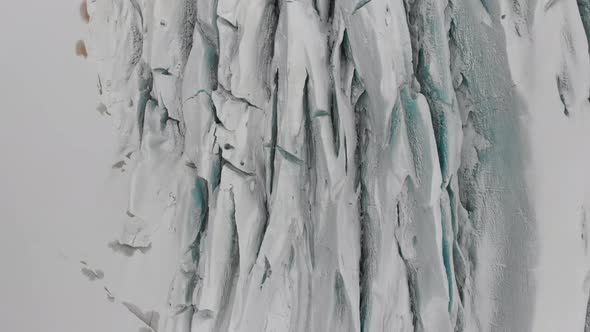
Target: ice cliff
350,165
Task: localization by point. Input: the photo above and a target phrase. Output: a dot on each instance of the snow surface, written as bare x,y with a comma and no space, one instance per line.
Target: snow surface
349,166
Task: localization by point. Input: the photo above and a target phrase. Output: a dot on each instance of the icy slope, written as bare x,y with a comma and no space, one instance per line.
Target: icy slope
372,165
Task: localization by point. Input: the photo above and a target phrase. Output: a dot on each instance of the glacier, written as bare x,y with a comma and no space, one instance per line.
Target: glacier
342,165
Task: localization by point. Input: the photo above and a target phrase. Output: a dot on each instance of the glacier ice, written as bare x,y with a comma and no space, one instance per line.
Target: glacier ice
342,165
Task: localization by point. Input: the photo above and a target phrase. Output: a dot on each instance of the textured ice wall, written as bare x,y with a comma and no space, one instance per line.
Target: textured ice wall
341,165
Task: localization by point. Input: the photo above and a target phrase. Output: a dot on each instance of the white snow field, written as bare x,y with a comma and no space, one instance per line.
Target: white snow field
345,165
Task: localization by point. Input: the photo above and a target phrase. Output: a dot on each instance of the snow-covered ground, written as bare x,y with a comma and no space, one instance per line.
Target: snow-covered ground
307,165
55,164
